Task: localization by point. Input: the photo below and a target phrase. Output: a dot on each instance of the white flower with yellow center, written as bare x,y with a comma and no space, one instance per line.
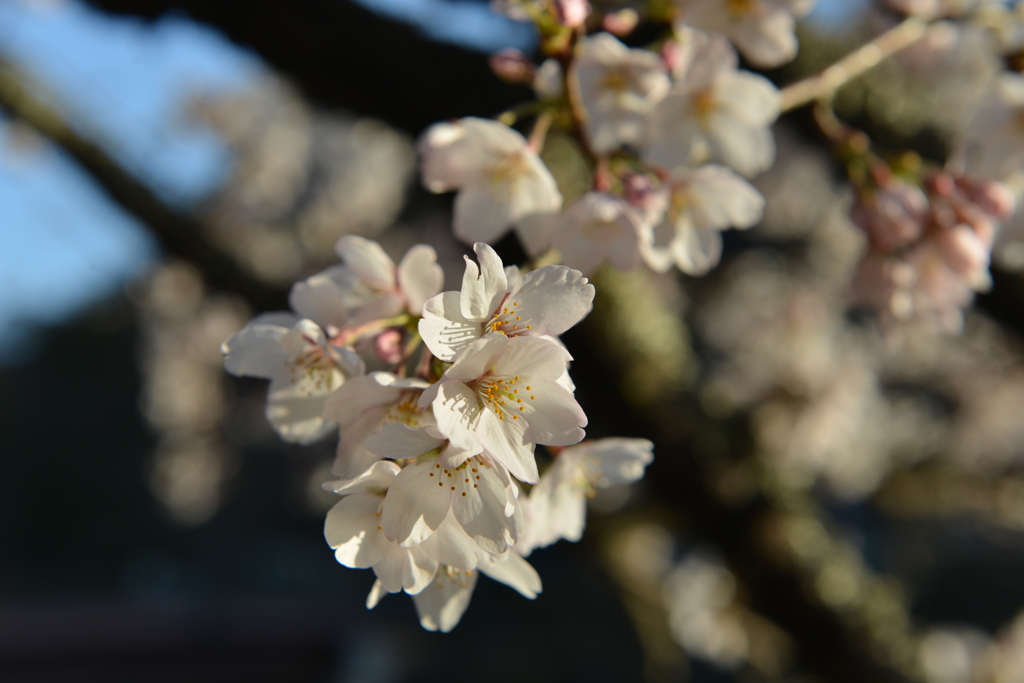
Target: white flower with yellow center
701,203
546,301
558,507
596,228
617,86
368,286
503,395
440,573
303,369
714,112
442,479
500,179
354,530
761,29
365,404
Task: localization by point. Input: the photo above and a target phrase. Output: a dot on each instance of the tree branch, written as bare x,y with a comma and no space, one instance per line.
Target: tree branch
823,86
178,233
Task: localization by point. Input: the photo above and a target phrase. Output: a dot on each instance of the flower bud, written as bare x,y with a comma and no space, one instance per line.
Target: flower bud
389,346
512,66
548,82
572,13
621,23
964,251
892,216
991,197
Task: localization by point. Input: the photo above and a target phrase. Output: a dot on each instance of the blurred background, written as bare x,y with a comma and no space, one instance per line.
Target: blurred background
825,504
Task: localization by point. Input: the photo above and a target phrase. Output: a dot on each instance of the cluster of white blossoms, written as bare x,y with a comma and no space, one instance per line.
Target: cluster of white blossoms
433,444
675,133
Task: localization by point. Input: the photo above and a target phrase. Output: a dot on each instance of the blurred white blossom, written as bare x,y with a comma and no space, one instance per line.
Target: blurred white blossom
761,29
499,178
618,87
714,112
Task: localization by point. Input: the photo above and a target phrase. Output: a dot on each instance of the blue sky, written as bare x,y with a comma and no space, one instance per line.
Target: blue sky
123,82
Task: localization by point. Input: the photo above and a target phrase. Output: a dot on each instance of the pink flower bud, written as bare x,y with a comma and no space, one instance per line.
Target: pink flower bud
991,197
389,346
673,55
572,13
512,66
893,216
621,23
963,250
941,184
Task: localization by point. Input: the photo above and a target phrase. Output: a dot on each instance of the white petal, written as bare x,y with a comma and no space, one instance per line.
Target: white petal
451,545
516,573
479,505
622,461
367,260
532,358
476,358
535,191
751,98
442,604
407,569
750,150
376,594
417,502
375,480
295,415
554,418
696,251
444,329
768,40
483,286
255,351
365,392
326,297
535,232
351,529
483,212
719,198
451,157
553,299
397,440
419,276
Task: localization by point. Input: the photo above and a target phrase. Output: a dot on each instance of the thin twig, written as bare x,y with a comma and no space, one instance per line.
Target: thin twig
823,86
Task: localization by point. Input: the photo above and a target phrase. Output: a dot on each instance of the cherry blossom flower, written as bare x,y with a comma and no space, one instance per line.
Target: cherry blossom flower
365,404
761,29
353,529
618,86
596,228
502,395
714,112
546,301
368,286
558,503
302,366
441,605
442,479
443,569
702,202
500,179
